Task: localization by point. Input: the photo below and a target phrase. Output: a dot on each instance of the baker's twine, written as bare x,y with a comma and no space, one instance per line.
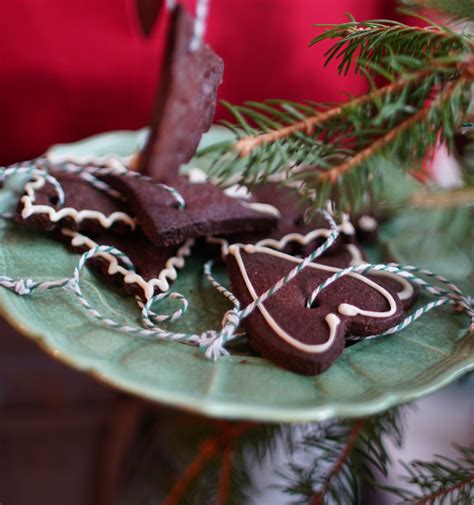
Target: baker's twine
119,169
213,342
452,294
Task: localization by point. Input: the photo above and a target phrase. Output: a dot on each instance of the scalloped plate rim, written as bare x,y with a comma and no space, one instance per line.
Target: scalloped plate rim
232,410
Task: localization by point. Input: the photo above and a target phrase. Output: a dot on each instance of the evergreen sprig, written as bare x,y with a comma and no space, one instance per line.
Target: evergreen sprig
202,461
342,455
440,481
336,152
371,42
457,9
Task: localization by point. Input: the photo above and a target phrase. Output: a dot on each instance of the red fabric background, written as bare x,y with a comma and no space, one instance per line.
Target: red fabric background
72,69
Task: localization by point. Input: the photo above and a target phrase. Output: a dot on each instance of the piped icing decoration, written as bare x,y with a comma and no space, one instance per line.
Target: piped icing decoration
331,319
213,341
241,193
263,208
367,223
85,171
108,160
30,208
345,309
407,290
162,282
195,175
344,227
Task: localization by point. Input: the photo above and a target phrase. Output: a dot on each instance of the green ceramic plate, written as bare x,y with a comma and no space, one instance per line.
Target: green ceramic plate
370,377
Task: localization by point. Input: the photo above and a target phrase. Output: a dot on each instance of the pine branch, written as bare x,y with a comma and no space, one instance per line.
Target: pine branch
336,152
246,145
353,450
225,477
373,41
440,480
448,198
458,9
210,448
318,498
381,143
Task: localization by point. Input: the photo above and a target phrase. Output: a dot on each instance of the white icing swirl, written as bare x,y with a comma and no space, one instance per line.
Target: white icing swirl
30,208
407,290
331,319
367,223
161,282
345,227
263,208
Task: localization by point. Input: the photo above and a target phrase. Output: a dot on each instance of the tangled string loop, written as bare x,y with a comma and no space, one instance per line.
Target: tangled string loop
213,342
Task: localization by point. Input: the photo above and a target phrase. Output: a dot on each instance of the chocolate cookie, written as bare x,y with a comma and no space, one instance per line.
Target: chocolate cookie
155,267
351,255
292,223
208,211
85,207
186,100
284,330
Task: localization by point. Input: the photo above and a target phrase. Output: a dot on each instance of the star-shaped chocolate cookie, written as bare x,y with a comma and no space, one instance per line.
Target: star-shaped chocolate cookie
208,211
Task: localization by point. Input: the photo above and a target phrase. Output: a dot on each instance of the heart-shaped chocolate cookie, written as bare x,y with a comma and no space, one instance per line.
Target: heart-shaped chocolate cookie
287,332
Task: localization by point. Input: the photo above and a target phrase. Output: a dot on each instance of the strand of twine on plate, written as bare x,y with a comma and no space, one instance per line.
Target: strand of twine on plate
213,342
90,169
30,169
450,295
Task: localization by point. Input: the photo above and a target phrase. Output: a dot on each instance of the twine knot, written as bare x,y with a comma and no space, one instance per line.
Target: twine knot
231,319
71,284
24,287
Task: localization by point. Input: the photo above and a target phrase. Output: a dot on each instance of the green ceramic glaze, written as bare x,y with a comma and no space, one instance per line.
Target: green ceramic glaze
370,376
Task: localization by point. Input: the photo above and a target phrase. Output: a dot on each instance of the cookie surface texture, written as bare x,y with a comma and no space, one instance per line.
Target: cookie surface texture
284,330
186,100
208,211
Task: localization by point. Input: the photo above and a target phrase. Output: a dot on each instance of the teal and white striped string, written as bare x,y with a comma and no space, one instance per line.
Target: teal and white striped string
100,171
450,295
149,318
297,269
213,342
24,287
30,169
202,10
232,319
89,172
102,186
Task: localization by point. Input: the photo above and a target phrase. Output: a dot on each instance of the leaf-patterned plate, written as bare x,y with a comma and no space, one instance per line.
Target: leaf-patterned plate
368,378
